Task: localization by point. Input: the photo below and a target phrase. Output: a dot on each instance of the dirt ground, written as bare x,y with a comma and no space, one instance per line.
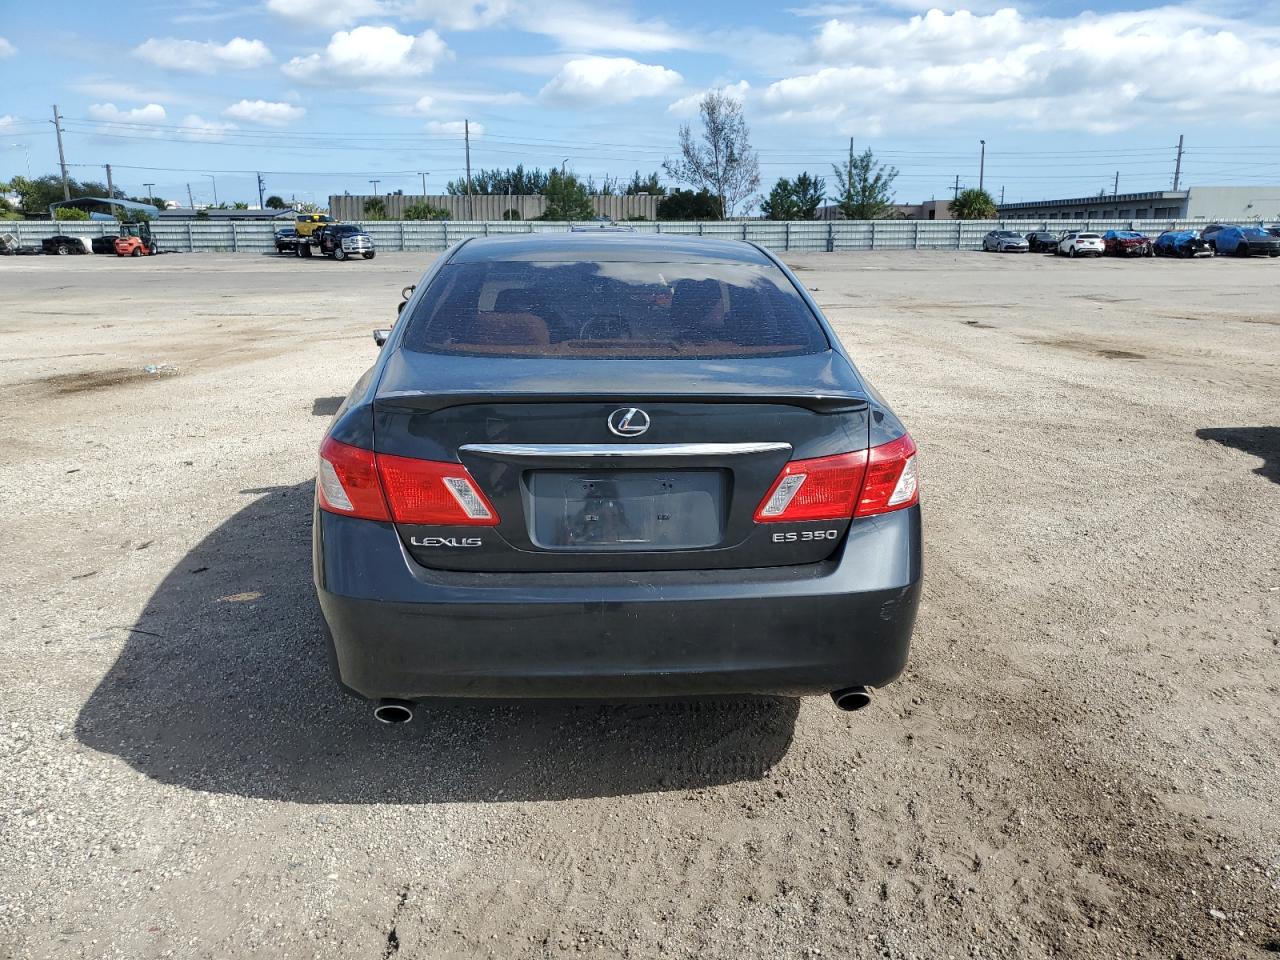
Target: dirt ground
1081,761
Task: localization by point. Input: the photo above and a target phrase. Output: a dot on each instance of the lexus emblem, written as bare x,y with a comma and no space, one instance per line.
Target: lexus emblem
628,422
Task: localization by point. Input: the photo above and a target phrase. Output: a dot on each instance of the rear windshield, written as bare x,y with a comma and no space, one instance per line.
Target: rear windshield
613,310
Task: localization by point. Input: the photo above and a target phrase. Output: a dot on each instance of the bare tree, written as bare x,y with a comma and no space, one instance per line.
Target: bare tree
722,162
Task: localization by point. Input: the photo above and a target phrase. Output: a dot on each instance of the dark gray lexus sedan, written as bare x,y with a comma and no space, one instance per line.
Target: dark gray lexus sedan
615,465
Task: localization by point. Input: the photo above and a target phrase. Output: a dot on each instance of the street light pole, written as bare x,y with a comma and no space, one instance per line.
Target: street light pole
424,184
215,186
150,194
375,186
982,164
27,151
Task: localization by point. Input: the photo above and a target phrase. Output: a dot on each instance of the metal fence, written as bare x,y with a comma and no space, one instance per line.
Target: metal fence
832,236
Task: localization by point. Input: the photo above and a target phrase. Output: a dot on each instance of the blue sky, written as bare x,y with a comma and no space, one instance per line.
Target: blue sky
325,95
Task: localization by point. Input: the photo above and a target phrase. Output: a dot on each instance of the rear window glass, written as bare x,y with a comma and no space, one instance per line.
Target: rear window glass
613,310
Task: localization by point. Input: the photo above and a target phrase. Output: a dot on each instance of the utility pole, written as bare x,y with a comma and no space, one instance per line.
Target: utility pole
955,193
150,193
111,187
849,171
375,186
190,200
424,183
1177,167
62,157
466,134
261,205
1002,195
982,164
1115,190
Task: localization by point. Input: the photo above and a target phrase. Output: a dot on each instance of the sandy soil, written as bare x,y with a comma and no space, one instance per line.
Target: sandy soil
1080,762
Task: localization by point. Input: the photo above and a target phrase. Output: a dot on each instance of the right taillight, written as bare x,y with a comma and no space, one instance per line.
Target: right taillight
847,485
892,480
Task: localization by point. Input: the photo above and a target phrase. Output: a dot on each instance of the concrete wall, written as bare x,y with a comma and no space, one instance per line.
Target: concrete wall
491,207
433,235
1234,203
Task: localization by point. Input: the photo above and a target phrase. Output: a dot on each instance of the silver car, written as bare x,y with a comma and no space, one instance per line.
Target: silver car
1005,241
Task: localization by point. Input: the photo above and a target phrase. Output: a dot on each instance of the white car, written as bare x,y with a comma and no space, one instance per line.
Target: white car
1080,244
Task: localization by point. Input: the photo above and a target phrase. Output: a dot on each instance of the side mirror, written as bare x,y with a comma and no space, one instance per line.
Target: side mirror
381,334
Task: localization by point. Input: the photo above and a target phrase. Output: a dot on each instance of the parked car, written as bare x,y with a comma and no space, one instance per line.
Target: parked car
1080,244
1126,243
1042,241
1004,241
1181,243
62,245
343,240
287,240
1274,231
1210,233
1247,242
526,520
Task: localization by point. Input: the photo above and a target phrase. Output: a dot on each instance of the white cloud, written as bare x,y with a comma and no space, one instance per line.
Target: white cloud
203,56
454,127
195,127
688,106
325,14
1092,72
265,112
151,113
455,14
602,80
370,52
580,26
7,49
8,120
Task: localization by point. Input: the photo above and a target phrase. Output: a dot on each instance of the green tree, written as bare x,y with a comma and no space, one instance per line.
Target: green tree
425,211
515,181
70,213
567,198
809,192
240,205
973,204
36,193
375,208
781,203
687,205
866,187
651,185
130,215
276,203
722,161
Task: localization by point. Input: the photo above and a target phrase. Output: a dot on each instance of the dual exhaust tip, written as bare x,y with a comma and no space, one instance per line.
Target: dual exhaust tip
397,712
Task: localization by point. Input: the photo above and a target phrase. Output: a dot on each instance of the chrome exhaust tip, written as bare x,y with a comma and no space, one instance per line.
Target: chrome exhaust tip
393,711
851,698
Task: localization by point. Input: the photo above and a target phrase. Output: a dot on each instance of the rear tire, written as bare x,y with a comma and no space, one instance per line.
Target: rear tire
63,249
1073,253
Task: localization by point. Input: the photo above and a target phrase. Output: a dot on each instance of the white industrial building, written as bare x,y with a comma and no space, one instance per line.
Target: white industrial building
1194,203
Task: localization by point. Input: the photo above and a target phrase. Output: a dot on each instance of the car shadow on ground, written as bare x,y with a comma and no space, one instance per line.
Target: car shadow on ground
223,685
1263,442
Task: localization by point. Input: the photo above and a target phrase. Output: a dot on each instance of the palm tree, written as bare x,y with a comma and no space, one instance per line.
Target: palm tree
973,204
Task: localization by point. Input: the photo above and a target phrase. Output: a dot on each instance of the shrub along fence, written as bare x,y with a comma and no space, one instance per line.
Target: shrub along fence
832,236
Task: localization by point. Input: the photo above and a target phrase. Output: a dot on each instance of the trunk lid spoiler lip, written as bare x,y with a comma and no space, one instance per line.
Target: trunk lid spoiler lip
824,382
422,401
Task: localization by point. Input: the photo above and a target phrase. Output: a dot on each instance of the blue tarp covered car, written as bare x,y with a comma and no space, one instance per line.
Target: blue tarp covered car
1247,242
1181,243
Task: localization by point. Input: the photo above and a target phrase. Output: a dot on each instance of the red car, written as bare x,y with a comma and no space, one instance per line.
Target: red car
1127,243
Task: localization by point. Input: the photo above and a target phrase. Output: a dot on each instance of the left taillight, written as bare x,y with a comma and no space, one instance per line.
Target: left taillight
859,484
347,482
360,483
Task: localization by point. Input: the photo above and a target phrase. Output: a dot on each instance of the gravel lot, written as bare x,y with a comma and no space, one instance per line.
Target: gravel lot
1080,762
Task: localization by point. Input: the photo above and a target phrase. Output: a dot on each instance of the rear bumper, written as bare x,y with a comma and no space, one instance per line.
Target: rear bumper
402,630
